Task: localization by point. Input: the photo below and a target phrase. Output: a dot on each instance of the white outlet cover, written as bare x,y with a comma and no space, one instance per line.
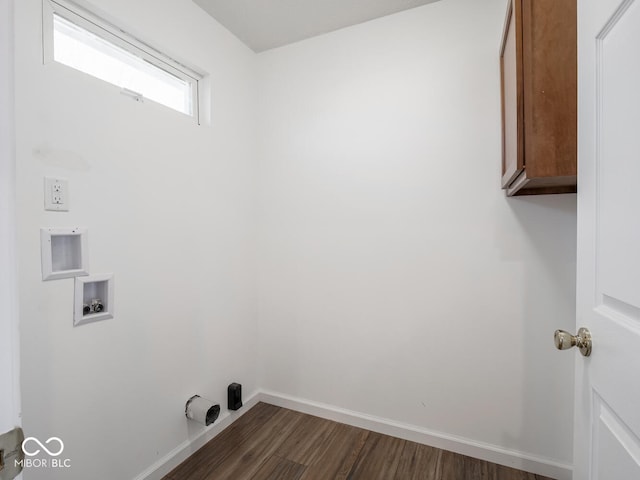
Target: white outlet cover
56,194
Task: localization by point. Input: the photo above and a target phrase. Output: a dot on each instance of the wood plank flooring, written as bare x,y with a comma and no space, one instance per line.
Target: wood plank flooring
273,443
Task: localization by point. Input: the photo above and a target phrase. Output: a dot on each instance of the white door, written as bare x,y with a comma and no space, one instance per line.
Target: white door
607,429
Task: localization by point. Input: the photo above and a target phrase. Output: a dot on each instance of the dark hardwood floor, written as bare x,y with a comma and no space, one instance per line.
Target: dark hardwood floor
273,443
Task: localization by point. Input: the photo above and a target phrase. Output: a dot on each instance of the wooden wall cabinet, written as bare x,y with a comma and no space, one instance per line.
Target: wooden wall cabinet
538,66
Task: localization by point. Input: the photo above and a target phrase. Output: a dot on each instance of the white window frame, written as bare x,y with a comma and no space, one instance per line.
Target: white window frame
91,22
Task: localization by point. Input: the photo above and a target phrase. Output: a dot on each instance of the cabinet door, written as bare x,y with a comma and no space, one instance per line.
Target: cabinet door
512,95
549,66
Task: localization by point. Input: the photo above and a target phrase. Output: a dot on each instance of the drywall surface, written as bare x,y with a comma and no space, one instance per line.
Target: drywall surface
169,206
396,279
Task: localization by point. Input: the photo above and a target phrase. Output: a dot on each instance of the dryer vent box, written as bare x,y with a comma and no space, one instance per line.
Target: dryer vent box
64,252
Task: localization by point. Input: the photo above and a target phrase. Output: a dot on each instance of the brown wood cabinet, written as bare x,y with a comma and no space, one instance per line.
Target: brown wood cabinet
538,64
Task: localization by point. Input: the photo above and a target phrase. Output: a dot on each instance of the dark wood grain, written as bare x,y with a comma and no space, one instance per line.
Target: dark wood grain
512,96
279,468
419,462
308,441
474,468
228,443
451,467
379,458
549,32
506,473
272,443
258,448
538,60
340,451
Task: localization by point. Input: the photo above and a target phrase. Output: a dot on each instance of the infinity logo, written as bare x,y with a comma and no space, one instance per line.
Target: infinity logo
34,439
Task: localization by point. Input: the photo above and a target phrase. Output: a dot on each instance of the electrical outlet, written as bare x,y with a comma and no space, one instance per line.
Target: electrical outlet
56,194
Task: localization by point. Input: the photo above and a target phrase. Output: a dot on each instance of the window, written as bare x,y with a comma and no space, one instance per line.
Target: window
86,43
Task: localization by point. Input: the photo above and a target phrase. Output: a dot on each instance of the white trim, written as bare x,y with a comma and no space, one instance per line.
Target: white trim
10,343
464,446
481,450
79,318
46,252
74,12
183,451
83,17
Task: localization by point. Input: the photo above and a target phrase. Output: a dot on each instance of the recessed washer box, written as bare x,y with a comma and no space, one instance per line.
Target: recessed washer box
65,252
93,299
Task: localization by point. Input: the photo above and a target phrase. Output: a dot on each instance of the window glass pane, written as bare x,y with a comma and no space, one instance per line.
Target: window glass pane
80,49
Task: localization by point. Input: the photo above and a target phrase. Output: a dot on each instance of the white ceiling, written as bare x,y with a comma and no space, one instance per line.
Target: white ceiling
265,24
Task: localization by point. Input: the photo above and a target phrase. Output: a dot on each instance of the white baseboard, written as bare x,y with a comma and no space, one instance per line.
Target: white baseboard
183,451
484,451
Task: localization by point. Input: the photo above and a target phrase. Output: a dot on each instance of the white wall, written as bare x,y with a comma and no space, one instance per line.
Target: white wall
396,279
170,210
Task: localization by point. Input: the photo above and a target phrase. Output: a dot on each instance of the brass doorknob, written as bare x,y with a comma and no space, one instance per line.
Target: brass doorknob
564,341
